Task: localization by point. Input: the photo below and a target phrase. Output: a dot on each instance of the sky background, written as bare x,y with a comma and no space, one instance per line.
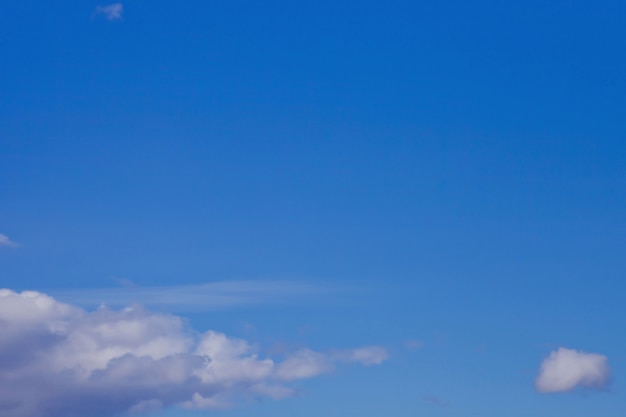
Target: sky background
444,172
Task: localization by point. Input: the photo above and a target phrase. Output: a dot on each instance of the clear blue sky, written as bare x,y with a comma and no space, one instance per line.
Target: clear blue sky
457,168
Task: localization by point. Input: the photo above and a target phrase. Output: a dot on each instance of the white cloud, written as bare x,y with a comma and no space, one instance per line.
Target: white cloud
112,11
5,241
60,360
566,369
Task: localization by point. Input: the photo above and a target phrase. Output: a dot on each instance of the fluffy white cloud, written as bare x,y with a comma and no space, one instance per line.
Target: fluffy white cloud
5,241
566,369
112,11
57,360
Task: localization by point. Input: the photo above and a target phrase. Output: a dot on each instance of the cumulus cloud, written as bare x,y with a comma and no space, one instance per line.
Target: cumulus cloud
5,241
566,369
112,11
59,360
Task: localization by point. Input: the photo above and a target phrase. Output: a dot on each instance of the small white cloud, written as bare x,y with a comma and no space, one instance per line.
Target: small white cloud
112,11
565,369
5,241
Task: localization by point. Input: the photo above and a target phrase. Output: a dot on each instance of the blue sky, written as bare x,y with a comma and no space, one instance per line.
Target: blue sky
364,174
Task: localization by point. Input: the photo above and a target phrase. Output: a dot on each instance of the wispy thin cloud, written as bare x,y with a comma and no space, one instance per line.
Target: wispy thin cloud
111,11
566,369
413,345
6,242
205,297
367,355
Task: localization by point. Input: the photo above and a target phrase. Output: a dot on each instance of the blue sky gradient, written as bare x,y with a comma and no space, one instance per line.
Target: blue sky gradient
445,172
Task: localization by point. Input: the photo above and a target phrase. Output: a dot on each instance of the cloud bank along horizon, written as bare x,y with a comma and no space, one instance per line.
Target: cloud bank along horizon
57,359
